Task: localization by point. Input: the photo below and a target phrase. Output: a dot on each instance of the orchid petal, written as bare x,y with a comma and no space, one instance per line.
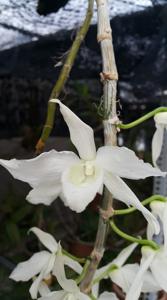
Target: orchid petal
161,118
43,289
46,239
108,296
150,285
164,222
124,255
81,134
124,276
68,285
118,261
59,295
82,296
28,269
48,165
78,196
95,289
136,287
119,189
123,162
157,209
159,267
44,193
74,265
36,285
157,142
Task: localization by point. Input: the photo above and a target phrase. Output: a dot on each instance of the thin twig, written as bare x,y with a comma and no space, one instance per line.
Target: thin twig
109,77
64,74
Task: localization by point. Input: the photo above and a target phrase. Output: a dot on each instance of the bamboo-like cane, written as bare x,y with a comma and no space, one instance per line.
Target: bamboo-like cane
109,77
64,74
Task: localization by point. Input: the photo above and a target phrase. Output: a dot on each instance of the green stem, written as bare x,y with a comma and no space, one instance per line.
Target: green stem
82,275
92,297
144,202
78,259
105,274
132,239
142,119
64,74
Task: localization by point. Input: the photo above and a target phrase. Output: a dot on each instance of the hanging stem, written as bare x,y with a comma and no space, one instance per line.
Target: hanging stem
64,74
110,269
109,77
82,275
142,119
78,259
144,202
132,239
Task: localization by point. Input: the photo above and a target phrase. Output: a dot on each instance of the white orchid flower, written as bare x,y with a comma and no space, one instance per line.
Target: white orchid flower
70,289
157,141
43,263
77,179
118,262
159,210
124,275
153,260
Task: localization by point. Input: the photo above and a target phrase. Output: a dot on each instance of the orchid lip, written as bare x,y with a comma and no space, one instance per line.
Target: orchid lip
83,172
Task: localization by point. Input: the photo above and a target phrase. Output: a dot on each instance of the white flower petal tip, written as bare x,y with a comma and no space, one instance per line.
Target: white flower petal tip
81,134
153,222
123,162
124,255
26,270
157,141
46,239
161,118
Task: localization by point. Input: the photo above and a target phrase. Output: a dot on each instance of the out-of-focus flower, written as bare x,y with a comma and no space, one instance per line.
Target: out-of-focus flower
43,263
154,260
70,290
124,275
159,210
157,141
77,179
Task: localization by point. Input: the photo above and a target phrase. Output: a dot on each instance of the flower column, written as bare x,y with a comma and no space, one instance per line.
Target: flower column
109,77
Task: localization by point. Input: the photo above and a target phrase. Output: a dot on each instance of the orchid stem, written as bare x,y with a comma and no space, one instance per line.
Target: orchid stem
109,77
92,297
78,259
64,74
132,239
144,202
82,275
142,119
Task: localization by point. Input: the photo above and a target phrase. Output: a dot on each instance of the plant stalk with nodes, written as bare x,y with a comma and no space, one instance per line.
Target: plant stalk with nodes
76,179
109,77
